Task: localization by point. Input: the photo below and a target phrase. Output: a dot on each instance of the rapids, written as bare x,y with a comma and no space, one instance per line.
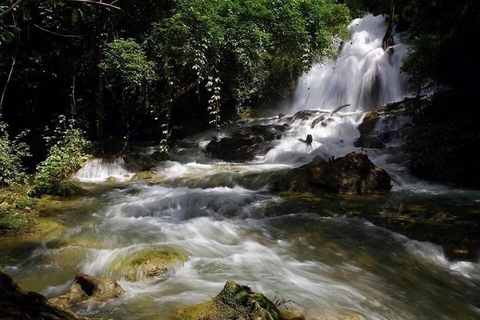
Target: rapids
325,267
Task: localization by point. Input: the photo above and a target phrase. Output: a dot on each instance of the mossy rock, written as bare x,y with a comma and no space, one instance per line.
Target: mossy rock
144,175
14,222
64,188
86,288
16,211
235,302
352,174
147,264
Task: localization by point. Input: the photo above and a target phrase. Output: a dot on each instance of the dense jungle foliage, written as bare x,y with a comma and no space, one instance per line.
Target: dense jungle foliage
155,70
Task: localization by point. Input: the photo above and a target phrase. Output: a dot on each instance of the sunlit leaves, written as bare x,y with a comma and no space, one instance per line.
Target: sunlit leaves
126,62
12,152
250,44
68,151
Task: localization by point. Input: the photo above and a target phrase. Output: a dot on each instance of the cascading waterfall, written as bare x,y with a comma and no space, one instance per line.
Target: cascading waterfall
364,76
330,268
100,170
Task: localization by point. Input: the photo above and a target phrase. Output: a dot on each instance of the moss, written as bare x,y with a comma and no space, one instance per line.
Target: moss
147,264
12,221
16,211
235,302
143,175
64,188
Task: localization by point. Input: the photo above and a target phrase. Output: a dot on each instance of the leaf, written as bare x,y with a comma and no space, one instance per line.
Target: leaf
75,15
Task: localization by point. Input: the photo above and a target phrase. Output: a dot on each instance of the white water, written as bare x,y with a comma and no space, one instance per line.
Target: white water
100,170
330,268
365,76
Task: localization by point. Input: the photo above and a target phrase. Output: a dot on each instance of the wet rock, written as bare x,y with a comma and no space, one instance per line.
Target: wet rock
148,264
351,174
366,141
369,122
302,115
18,304
86,289
317,121
283,127
236,302
244,146
138,162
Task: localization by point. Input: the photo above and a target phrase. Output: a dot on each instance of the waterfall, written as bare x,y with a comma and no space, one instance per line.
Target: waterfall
99,170
364,76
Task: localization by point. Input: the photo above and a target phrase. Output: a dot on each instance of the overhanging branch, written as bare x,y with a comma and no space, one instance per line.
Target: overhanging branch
110,5
4,13
58,34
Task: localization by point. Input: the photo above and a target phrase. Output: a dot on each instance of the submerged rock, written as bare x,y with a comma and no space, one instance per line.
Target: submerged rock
86,288
235,302
351,174
144,175
147,264
18,304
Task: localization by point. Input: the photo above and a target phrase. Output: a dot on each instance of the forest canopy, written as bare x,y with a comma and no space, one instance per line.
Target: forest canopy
138,68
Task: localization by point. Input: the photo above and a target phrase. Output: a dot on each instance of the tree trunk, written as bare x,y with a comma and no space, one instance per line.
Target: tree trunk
100,102
388,42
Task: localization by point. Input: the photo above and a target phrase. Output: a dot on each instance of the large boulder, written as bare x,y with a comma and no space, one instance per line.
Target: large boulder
18,304
235,302
147,264
86,289
351,174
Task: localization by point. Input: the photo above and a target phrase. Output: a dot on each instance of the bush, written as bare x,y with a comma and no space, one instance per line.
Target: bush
11,154
67,154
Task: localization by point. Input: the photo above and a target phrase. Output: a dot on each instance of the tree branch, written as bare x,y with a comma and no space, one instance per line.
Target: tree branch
110,5
13,63
4,13
186,88
57,34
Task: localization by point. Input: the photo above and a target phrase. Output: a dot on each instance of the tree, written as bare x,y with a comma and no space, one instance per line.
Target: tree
129,77
234,53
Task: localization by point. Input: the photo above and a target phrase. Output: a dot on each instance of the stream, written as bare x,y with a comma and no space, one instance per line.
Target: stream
327,267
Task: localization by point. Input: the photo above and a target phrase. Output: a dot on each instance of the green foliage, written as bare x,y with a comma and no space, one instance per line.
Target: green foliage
129,77
68,148
230,53
12,152
15,206
239,52
12,221
126,64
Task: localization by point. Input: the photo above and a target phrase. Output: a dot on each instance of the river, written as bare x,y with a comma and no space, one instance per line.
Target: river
327,267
